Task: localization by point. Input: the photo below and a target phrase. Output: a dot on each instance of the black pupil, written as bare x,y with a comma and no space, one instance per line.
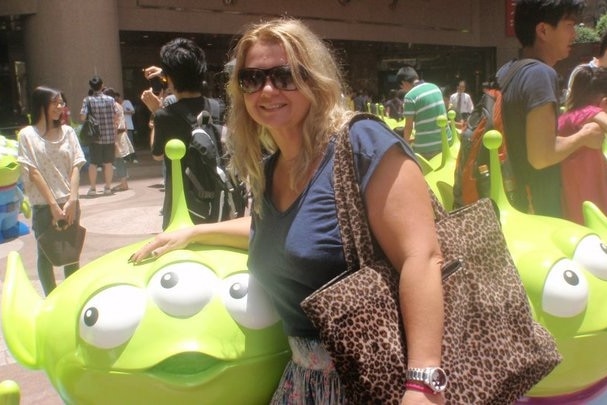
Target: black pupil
169,280
90,316
238,291
571,278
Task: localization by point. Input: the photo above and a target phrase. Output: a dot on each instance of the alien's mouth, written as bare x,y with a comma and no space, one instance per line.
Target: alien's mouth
196,367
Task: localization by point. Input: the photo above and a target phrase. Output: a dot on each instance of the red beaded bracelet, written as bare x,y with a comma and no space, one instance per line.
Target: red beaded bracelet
412,385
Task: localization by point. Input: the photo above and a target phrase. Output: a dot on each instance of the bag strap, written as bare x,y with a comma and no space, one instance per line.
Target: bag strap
89,110
356,237
513,69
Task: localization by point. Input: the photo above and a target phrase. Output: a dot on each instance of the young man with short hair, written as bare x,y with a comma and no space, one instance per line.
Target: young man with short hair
546,31
183,66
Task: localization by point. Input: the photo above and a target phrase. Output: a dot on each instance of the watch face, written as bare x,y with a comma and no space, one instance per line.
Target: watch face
438,379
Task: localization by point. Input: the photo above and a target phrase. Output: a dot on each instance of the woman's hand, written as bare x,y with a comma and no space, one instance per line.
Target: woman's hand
69,211
163,243
57,214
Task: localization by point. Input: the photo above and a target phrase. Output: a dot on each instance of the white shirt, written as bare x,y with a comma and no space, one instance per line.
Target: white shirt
467,106
127,106
54,160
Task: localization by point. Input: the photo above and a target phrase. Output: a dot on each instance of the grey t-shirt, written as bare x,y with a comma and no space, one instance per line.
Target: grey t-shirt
532,86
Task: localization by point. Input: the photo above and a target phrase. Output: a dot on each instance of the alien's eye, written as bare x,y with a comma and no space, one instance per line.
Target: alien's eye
565,290
111,316
183,289
591,253
247,303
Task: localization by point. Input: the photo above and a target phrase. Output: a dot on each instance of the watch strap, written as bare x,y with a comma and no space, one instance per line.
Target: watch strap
416,386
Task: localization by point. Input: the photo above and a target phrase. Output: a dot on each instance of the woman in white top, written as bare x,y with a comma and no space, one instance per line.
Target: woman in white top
50,157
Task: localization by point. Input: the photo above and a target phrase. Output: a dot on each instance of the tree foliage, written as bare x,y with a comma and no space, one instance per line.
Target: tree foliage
601,25
585,34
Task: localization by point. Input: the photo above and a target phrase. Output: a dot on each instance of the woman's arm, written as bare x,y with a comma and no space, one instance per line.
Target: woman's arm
401,219
69,208
233,233
37,179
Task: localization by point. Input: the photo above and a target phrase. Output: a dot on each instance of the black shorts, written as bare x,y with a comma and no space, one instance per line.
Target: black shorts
101,153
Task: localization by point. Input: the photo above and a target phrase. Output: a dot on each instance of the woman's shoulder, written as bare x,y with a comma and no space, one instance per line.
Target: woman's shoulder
367,131
68,130
371,138
26,131
584,114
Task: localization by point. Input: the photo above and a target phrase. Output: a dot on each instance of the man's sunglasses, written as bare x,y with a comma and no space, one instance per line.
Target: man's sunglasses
252,80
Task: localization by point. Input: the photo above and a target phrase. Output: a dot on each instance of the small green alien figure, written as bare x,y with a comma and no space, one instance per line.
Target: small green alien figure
12,200
188,328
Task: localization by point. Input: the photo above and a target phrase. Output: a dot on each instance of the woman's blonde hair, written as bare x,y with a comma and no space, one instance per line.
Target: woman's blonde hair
317,76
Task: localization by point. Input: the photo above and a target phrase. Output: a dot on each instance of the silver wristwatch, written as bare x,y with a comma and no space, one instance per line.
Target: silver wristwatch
433,377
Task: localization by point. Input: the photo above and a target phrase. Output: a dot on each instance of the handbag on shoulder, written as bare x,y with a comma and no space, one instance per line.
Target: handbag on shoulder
493,349
90,128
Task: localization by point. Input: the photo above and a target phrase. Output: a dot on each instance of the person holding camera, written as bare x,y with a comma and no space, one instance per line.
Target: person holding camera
182,70
51,157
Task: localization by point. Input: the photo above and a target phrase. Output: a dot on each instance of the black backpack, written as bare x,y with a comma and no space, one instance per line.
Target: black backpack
212,195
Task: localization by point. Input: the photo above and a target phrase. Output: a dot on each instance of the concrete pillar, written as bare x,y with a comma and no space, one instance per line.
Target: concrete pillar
69,41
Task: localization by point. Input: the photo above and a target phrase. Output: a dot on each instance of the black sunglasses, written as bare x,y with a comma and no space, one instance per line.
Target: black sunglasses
252,80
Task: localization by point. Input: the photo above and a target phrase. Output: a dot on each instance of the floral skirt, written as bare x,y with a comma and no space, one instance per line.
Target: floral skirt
309,378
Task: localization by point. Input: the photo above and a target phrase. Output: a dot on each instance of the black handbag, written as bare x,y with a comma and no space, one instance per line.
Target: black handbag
90,128
493,349
62,246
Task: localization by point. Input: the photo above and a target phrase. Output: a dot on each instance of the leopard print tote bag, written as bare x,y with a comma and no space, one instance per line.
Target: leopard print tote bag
493,349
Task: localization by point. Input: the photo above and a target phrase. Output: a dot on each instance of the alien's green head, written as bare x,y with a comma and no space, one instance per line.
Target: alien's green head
189,327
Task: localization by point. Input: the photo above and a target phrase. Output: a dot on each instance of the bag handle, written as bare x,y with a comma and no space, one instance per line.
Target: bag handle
89,110
356,237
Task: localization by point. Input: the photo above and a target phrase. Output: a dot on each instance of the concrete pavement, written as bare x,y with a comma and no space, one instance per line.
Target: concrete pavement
112,222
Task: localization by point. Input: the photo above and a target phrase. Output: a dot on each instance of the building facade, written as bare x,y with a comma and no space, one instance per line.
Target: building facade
62,43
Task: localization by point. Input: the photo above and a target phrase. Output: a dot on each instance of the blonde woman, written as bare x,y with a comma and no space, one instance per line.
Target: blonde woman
286,105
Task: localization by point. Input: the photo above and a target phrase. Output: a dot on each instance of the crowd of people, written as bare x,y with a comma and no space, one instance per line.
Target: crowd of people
286,103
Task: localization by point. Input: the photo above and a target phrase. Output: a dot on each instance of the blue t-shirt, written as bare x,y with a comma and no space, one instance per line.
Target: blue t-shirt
293,253
532,86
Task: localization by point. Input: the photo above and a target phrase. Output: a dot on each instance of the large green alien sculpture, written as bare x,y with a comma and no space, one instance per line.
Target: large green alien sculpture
563,267
188,328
